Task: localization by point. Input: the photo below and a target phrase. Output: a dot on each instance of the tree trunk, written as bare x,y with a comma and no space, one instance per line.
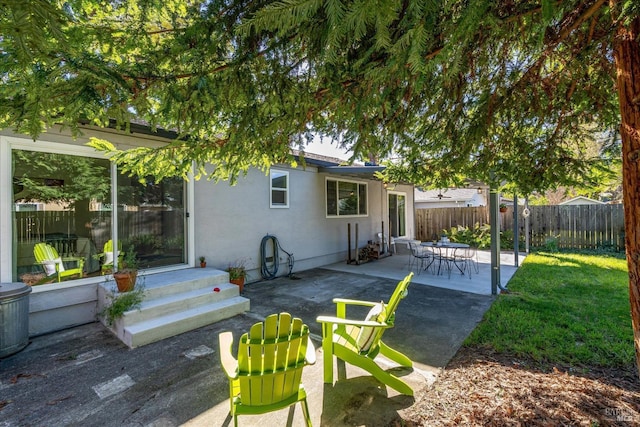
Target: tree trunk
627,57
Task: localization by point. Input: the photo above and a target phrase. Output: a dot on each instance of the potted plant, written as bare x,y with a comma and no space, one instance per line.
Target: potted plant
203,262
237,274
127,272
503,207
121,303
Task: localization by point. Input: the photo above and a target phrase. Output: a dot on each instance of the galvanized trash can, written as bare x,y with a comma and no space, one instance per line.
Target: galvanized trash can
14,317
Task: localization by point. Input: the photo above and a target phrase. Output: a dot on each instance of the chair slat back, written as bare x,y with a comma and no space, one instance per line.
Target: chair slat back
44,252
400,292
388,314
270,359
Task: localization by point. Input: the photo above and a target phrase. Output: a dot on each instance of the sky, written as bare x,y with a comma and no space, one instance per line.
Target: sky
325,148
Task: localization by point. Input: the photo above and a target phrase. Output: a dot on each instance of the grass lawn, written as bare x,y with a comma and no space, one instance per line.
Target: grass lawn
556,350
563,308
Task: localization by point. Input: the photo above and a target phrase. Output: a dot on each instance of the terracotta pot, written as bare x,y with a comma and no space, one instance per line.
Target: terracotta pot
239,282
125,280
203,264
503,210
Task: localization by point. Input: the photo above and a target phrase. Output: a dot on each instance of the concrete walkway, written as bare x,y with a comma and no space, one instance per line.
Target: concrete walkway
85,376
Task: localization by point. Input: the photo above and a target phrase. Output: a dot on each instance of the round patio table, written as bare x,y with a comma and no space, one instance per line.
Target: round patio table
446,252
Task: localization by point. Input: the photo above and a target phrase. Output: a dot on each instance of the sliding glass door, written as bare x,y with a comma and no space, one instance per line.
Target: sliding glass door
65,200
151,220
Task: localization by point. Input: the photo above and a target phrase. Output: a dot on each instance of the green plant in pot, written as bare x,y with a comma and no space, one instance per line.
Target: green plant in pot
503,207
127,272
237,273
121,303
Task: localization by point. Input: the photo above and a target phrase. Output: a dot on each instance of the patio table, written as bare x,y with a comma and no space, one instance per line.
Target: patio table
446,252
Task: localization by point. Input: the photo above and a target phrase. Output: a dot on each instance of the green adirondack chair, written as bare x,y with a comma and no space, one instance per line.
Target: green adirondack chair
107,257
358,342
267,374
53,265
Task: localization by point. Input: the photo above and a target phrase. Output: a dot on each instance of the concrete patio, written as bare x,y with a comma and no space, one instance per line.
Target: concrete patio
396,267
85,376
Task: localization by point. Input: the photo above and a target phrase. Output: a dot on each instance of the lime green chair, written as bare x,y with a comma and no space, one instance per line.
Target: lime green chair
358,342
107,257
267,374
53,265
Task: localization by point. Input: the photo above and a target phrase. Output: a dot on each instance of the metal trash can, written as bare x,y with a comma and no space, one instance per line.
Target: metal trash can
14,317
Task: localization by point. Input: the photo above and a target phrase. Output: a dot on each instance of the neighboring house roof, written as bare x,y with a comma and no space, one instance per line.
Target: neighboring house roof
448,194
581,200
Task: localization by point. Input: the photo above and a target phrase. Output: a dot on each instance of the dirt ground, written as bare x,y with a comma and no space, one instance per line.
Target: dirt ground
481,388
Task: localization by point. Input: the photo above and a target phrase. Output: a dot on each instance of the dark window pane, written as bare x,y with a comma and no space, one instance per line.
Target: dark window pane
332,201
362,199
278,197
348,198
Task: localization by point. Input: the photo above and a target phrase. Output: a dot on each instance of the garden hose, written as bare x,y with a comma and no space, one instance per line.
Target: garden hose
269,267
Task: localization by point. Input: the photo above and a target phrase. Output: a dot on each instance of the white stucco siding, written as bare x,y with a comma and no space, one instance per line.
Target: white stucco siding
231,221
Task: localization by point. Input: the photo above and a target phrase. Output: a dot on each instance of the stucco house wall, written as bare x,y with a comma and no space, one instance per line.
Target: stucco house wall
231,228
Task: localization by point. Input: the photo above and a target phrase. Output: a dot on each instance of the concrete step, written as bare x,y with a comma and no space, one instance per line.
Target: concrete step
179,301
176,302
162,327
179,281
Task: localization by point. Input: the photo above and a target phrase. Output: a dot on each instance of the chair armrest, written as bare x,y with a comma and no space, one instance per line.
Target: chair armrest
353,302
310,357
79,260
341,321
229,363
342,303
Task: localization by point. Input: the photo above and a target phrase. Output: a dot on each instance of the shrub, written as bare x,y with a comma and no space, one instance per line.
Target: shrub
480,236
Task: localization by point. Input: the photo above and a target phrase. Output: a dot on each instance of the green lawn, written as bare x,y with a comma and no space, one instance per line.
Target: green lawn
563,308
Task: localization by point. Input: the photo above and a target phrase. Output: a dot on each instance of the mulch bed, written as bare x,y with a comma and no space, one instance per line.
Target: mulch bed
31,279
482,388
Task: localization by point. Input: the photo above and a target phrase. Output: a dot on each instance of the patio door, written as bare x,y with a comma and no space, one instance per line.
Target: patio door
151,219
66,200
398,214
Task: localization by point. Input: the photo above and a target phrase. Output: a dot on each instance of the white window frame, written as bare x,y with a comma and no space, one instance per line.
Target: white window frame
338,181
285,190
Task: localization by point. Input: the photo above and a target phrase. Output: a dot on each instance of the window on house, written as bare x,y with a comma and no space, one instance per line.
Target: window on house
346,198
279,189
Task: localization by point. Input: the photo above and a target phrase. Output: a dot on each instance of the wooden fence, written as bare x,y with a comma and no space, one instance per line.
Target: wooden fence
572,227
